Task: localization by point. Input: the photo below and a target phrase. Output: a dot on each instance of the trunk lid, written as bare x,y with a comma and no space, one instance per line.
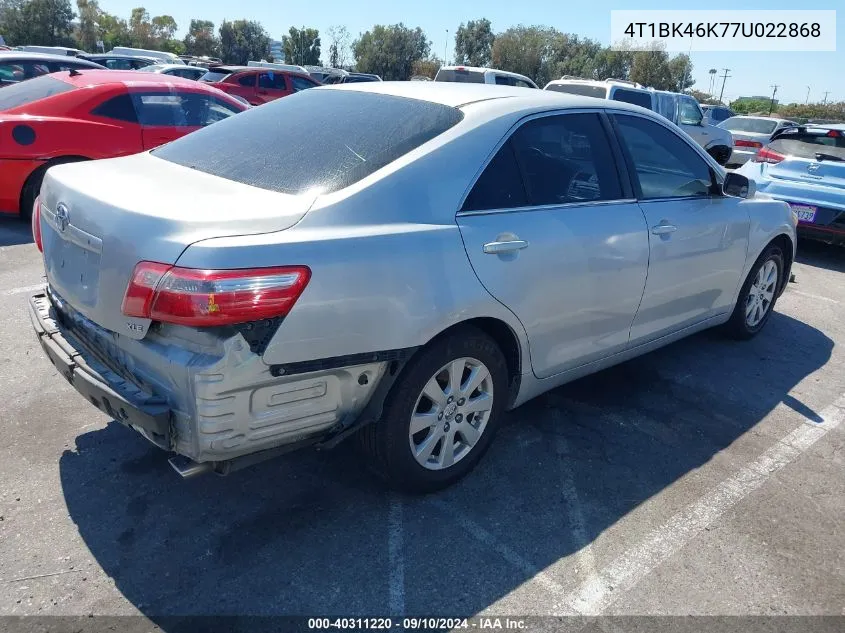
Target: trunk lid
99,219
821,173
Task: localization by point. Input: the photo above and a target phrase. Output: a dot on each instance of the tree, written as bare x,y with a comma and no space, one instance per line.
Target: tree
703,97
302,46
201,40
242,41
571,55
37,22
426,67
114,31
474,43
88,31
340,54
390,51
746,106
651,68
680,69
524,50
140,29
163,27
611,63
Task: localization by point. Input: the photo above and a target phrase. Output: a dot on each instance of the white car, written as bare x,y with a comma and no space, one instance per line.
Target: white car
476,75
682,110
750,133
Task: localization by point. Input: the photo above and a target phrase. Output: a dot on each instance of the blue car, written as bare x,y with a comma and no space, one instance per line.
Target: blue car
805,166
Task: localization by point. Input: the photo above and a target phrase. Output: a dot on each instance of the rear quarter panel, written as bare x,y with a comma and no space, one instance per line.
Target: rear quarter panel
67,136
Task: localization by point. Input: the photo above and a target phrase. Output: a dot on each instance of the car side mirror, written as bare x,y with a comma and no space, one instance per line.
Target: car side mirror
738,186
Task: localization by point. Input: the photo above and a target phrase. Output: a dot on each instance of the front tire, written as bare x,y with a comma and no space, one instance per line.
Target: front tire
442,414
758,295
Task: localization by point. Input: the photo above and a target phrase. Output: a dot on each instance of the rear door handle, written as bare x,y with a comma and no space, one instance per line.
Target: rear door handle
663,229
497,248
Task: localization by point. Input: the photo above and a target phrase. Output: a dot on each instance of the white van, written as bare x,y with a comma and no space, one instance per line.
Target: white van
682,110
475,75
167,58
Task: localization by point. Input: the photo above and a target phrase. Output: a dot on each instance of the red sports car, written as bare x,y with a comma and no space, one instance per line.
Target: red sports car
83,115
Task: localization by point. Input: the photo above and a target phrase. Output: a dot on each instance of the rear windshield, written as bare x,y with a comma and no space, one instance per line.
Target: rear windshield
635,97
461,76
599,92
314,139
215,75
809,143
755,126
26,92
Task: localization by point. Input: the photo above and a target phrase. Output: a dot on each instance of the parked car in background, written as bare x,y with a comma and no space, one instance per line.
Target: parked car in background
17,66
750,133
476,75
63,51
114,61
256,84
681,109
177,70
351,78
81,115
288,67
715,114
323,74
805,167
159,56
278,258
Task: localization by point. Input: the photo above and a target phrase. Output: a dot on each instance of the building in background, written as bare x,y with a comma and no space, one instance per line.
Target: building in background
277,51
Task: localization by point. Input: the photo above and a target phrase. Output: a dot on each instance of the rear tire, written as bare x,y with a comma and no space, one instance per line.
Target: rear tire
758,295
423,444
32,186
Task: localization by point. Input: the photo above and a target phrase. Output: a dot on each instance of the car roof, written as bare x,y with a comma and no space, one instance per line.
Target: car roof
47,57
176,66
759,118
481,69
133,78
456,95
120,56
234,69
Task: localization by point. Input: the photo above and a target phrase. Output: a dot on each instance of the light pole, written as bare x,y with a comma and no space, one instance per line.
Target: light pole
807,100
445,46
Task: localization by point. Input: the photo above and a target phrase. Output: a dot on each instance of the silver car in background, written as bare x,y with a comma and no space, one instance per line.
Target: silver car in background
805,167
750,133
423,257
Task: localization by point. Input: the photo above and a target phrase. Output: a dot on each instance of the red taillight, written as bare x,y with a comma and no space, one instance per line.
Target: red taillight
188,296
36,224
834,134
743,143
767,155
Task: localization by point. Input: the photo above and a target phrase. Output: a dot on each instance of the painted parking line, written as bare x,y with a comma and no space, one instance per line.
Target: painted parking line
809,295
395,557
597,594
22,289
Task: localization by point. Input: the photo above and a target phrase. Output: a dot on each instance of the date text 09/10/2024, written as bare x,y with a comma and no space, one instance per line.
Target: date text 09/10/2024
417,624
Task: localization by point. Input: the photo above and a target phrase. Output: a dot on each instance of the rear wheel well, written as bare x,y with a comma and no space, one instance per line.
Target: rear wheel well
506,339
27,197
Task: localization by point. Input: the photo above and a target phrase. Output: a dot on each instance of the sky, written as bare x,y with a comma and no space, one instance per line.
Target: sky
751,73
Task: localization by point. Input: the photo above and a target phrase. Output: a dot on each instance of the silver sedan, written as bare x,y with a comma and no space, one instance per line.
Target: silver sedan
402,262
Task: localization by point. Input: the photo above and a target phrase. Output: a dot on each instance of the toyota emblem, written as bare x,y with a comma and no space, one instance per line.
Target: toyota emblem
62,216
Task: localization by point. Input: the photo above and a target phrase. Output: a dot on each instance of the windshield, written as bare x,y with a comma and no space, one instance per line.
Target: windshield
26,92
215,75
808,143
585,90
755,126
314,139
460,75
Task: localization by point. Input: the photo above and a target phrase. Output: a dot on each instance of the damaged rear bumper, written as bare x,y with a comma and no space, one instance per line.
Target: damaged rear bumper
210,402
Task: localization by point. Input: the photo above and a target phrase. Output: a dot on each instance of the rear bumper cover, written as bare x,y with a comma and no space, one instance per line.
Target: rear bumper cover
148,413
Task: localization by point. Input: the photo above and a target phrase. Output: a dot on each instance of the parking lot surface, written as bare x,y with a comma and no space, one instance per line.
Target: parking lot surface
706,478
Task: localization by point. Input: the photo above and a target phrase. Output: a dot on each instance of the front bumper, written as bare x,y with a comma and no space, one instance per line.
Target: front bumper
212,405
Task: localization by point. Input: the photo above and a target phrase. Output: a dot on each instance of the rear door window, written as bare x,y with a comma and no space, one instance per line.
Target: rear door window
500,185
187,109
117,63
566,159
300,83
460,76
504,80
829,144
271,81
214,75
585,90
247,80
19,70
332,139
635,97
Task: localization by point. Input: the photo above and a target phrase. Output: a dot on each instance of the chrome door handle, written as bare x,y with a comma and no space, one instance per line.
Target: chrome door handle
497,248
663,229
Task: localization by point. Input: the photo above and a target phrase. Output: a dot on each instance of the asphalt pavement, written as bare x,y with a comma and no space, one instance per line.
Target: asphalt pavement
707,478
